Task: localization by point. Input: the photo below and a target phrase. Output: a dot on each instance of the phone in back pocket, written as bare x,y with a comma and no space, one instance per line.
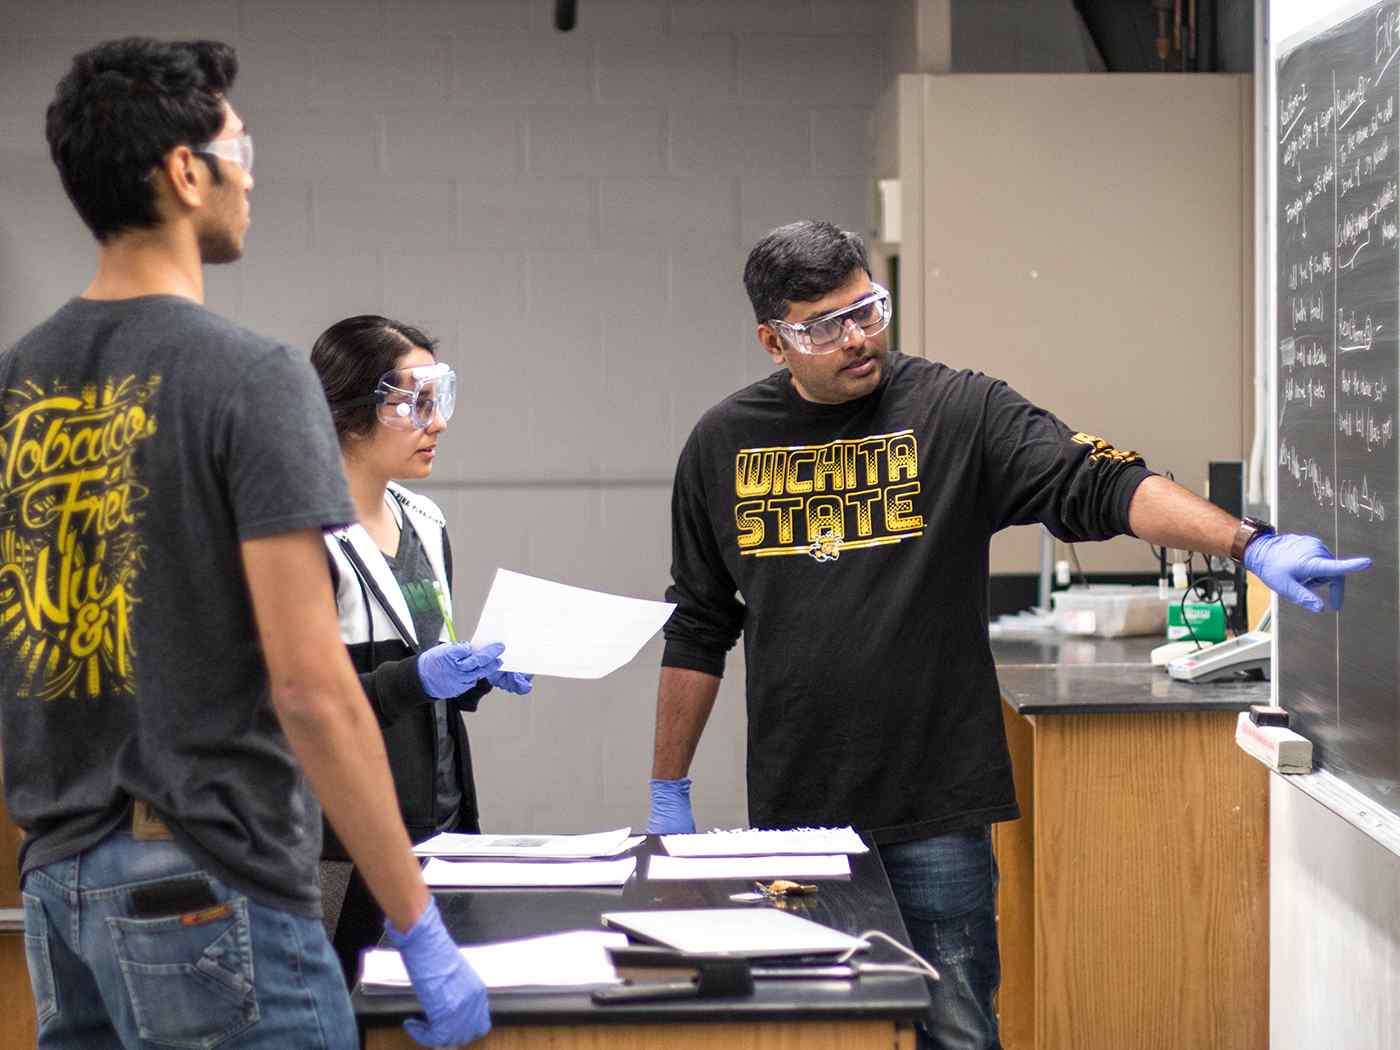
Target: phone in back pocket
173,897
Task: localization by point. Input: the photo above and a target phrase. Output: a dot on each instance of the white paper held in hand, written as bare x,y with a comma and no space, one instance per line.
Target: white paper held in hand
553,629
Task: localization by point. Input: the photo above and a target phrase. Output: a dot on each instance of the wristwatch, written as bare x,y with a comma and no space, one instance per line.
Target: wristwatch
1244,534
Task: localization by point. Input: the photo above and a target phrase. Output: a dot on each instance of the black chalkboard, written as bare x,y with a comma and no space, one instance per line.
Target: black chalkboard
1338,299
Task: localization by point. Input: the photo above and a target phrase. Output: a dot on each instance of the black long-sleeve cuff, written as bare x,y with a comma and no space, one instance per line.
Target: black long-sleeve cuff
393,688
469,700
1124,489
690,657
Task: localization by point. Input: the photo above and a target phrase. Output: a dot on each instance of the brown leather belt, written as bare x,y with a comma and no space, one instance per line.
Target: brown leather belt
146,826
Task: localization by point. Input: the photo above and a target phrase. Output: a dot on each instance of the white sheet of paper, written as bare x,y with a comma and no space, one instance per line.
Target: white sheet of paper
558,960
552,847
786,867
450,874
750,842
554,629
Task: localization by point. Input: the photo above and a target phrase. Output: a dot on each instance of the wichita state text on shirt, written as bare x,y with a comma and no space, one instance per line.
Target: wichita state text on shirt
823,500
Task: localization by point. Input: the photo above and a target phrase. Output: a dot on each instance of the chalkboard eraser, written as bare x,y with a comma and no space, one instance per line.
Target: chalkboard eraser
1282,750
1268,715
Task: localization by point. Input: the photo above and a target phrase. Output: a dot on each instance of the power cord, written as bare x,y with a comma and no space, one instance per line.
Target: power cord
1074,557
1206,587
1220,595
920,966
1181,606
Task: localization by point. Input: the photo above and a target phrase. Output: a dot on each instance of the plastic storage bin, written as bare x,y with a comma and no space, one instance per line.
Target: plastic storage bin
1112,610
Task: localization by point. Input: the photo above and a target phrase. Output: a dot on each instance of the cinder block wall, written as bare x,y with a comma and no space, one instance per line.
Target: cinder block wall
569,213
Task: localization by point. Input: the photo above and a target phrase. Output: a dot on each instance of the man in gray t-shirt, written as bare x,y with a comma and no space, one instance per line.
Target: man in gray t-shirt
170,660
144,440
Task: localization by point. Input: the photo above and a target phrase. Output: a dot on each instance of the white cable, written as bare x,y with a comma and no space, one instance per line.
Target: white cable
922,967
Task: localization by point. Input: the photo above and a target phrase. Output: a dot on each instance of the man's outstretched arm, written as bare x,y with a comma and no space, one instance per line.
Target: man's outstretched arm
1164,513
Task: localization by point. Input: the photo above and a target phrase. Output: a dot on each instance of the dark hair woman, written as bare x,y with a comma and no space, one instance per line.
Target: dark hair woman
391,399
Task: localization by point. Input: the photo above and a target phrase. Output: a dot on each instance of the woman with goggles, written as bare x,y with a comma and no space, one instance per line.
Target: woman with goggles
390,399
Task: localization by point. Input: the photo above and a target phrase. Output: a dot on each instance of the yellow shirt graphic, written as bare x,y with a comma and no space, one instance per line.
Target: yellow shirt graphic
70,550
822,500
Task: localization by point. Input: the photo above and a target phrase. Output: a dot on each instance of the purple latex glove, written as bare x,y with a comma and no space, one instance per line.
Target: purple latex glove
452,668
670,808
1289,564
511,681
451,993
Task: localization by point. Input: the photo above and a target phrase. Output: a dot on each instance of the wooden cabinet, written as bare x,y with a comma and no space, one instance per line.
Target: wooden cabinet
17,1031
1133,906
777,1035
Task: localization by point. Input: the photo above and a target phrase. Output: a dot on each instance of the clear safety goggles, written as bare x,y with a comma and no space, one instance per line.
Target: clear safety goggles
411,398
829,332
239,150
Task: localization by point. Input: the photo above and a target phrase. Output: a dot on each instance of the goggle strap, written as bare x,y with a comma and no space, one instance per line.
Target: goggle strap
359,402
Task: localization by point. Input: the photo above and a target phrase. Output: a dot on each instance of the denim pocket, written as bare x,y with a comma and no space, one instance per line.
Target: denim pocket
190,977
36,956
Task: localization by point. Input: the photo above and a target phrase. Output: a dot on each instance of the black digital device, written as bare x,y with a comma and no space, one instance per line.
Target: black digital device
1225,485
172,897
1225,488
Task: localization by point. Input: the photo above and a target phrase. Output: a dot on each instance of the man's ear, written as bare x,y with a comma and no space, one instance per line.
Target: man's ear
772,343
185,175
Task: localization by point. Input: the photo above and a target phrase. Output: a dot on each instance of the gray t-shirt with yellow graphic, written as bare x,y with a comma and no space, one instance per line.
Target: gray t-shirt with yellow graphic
141,441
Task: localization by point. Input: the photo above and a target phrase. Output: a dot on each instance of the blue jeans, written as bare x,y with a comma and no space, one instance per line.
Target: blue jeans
236,974
946,888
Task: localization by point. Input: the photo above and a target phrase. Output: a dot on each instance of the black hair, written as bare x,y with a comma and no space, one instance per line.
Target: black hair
350,357
120,108
800,262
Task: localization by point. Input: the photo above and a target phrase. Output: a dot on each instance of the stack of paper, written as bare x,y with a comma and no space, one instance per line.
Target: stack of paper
746,842
561,960
535,847
446,874
785,867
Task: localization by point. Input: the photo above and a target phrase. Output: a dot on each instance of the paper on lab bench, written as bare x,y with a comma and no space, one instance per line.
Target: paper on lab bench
553,629
538,847
472,874
742,842
784,867
575,959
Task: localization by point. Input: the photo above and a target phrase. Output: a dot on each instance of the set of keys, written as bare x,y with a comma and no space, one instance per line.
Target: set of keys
775,890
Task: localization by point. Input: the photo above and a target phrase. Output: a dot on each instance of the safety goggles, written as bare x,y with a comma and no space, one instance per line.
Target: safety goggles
829,332
411,398
239,150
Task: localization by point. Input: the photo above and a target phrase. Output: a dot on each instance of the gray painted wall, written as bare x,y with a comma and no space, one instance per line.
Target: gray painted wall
570,214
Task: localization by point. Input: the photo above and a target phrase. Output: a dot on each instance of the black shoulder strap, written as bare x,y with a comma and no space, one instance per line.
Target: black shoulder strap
447,559
335,572
367,580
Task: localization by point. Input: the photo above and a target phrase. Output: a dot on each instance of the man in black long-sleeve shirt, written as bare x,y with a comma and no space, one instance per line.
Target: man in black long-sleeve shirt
838,515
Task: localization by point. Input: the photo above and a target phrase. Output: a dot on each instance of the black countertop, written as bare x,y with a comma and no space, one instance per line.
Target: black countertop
853,905
1059,675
